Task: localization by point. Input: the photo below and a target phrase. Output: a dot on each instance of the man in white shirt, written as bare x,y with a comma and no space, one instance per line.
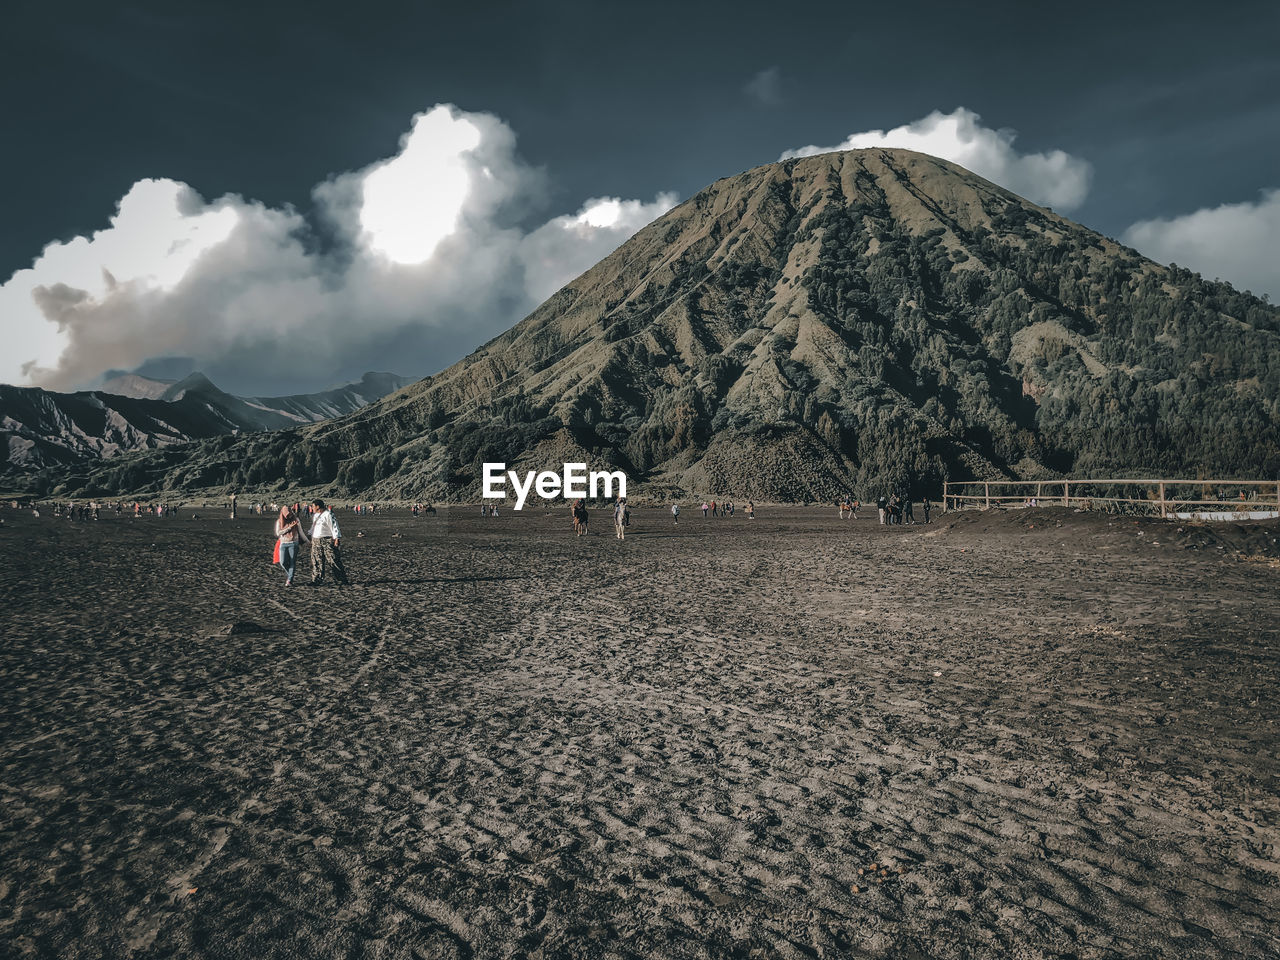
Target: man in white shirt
324,546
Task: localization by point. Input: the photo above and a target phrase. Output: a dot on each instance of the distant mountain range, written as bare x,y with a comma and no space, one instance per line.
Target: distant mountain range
844,322
42,429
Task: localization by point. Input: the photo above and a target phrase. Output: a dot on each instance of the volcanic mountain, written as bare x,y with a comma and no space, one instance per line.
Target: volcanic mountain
41,428
829,324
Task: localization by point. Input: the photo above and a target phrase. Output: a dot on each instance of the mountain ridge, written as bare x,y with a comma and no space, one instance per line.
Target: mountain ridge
819,325
42,428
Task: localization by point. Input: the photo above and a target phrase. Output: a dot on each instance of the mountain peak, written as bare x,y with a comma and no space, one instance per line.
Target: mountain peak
192,383
132,412
842,322
135,386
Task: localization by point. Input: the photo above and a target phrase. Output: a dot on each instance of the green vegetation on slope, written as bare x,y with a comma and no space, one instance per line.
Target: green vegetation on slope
840,322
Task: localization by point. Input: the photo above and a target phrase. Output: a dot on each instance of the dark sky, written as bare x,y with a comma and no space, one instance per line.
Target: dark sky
1176,105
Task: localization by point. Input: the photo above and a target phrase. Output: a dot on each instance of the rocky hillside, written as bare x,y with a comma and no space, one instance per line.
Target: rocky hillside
41,429
837,322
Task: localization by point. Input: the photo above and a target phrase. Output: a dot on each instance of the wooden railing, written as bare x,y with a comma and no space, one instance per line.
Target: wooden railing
1160,496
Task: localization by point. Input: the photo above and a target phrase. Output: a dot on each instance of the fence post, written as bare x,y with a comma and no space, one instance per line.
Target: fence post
944,496
1164,514
1066,493
987,490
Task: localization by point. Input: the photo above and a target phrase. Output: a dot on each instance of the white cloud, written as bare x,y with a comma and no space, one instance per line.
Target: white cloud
425,250
241,286
1237,242
1055,179
561,249
765,87
413,201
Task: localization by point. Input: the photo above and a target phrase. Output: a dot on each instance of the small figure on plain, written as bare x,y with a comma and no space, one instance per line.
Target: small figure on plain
325,547
853,508
705,507
882,505
621,517
580,517
233,506
291,536
908,515
926,507
751,510
675,513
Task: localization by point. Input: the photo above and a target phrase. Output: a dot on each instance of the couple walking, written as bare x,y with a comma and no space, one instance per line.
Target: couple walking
324,540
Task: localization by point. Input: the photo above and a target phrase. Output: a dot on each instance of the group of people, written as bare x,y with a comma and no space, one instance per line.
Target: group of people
78,511
898,509
324,537
726,509
162,510
93,509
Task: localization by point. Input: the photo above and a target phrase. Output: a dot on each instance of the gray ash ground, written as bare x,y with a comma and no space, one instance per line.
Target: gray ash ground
1051,735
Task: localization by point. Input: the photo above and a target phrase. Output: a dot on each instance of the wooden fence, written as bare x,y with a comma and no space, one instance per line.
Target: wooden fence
1158,497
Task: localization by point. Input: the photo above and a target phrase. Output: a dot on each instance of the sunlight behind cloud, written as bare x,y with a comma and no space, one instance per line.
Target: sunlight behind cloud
429,239
413,202
601,213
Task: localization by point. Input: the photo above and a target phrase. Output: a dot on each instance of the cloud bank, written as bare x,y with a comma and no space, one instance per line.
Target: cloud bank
1055,179
417,257
1236,242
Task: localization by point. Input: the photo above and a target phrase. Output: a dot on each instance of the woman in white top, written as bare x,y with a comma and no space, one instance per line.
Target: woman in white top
291,534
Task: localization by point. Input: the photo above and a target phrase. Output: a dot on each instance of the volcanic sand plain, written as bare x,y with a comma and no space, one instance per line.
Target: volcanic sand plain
1030,734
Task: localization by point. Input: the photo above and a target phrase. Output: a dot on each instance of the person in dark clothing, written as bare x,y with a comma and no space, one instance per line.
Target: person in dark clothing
908,515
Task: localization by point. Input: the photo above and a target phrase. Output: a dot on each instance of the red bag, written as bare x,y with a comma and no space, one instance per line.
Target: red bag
275,557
